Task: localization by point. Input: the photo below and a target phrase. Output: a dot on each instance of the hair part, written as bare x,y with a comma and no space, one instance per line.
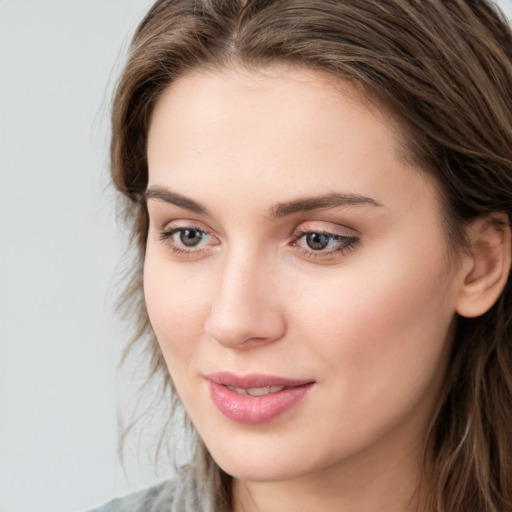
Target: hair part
443,68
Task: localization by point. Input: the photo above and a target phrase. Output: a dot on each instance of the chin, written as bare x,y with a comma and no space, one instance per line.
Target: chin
258,471
249,462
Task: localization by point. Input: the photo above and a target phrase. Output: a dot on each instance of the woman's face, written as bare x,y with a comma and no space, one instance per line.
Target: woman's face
296,274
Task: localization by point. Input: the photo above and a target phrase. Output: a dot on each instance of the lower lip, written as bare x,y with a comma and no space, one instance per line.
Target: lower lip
252,410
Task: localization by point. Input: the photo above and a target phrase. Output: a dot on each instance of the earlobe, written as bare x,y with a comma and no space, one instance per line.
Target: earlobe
487,266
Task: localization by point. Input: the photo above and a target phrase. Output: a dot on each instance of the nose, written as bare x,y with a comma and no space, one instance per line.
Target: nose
245,308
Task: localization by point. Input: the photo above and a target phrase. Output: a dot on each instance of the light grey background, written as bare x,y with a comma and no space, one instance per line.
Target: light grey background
59,248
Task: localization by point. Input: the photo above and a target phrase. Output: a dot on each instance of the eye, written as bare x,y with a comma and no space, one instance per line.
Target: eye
323,244
191,237
187,240
318,241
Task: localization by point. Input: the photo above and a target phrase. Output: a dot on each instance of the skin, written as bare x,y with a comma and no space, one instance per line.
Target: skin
370,324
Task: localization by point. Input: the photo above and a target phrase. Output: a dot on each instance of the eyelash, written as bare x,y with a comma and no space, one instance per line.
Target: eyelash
167,234
346,243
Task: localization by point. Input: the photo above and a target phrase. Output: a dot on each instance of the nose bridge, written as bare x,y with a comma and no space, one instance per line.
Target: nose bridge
245,306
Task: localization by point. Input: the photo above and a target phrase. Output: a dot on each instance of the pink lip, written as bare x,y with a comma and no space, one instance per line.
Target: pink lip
252,410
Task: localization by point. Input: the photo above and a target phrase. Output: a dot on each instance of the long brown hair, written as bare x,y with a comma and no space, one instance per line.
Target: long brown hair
444,69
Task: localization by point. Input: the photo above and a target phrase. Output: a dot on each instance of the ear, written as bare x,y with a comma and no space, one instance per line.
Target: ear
487,266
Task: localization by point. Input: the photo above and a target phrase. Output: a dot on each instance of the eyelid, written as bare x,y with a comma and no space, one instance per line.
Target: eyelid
325,227
184,224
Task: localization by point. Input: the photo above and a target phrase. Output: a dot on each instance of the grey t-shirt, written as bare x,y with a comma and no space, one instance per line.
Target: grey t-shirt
155,499
181,494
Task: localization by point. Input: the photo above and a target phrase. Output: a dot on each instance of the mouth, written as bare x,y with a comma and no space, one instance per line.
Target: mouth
254,399
267,390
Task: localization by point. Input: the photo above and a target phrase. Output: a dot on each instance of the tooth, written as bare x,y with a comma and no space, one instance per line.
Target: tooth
264,391
256,391
239,391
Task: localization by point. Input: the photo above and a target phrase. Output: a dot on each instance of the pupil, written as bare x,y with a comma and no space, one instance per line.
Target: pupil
317,241
190,237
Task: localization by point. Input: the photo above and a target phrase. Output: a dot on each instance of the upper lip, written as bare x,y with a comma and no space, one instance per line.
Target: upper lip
254,380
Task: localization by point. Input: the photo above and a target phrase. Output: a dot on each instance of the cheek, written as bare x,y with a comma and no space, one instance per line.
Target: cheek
381,327
177,306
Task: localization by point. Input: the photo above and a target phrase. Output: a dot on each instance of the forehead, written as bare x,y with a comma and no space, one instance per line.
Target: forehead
288,128
295,99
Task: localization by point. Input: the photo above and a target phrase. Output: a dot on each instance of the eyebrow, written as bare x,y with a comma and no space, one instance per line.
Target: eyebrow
324,202
306,204
164,194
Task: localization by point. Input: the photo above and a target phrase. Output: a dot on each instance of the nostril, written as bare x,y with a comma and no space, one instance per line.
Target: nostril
259,327
244,311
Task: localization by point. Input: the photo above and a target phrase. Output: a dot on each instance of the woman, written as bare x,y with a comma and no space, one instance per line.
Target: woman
321,193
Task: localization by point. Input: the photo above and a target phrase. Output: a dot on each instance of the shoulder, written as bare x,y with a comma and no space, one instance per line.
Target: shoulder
186,492
160,498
